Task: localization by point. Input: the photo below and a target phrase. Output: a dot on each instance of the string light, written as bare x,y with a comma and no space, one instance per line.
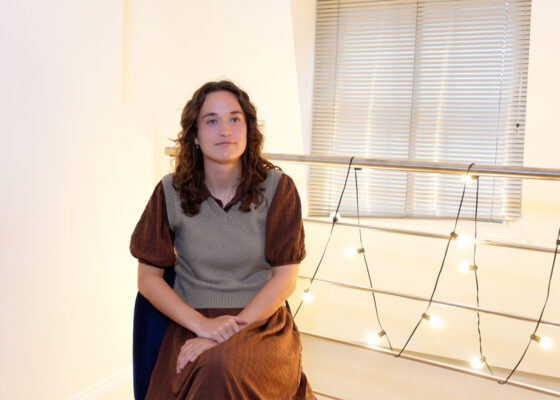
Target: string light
352,252
307,296
478,362
382,332
434,320
544,341
373,338
465,267
452,236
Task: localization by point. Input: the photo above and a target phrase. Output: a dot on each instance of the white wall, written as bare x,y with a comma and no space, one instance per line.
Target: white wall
176,46
77,168
91,92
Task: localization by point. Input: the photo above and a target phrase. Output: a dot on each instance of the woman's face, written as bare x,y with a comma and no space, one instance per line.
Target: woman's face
222,129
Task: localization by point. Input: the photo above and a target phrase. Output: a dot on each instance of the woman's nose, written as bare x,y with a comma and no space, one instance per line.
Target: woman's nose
226,130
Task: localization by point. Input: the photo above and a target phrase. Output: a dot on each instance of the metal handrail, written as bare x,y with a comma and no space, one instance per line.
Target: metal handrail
496,243
421,166
434,301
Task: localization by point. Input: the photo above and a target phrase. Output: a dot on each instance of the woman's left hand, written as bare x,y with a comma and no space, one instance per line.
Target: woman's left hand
191,350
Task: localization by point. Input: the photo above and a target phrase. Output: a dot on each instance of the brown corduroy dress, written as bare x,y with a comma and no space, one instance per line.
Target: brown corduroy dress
262,361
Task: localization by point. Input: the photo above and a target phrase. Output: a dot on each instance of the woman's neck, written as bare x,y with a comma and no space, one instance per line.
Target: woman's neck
222,180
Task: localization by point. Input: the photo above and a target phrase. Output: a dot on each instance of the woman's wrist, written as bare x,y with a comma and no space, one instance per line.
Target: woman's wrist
196,323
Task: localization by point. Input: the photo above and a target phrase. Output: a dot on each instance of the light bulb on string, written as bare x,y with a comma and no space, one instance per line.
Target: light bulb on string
465,241
352,251
468,178
544,341
307,296
334,217
478,362
373,338
465,267
434,320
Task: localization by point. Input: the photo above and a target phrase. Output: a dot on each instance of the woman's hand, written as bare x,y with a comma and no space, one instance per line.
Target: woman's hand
221,328
191,350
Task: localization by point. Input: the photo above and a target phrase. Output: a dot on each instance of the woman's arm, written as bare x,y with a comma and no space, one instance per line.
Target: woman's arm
272,295
154,288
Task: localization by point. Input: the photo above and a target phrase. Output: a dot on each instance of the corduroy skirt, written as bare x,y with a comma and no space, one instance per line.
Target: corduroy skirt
260,362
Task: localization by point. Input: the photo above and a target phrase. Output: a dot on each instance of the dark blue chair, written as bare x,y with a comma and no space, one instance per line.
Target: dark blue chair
148,330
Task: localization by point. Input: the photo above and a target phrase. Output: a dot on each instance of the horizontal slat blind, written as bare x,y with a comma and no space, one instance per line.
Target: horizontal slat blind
427,80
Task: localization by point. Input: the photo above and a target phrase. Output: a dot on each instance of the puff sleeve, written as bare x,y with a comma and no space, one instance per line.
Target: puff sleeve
285,237
152,240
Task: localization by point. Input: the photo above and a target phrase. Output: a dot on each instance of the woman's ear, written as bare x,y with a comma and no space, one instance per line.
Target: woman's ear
196,141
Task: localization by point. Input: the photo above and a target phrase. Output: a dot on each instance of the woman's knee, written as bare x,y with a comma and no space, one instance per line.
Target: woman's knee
217,362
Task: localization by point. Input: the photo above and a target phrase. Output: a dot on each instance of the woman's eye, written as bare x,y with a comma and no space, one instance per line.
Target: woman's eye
211,122
236,119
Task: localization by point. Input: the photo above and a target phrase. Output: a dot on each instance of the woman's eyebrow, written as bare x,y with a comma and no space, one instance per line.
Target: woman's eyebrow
210,114
214,114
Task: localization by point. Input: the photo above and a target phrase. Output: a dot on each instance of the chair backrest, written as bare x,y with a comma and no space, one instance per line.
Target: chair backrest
148,330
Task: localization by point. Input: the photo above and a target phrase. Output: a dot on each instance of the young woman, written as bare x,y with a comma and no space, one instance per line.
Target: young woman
229,222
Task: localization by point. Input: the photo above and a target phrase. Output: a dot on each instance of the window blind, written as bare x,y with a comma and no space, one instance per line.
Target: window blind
427,80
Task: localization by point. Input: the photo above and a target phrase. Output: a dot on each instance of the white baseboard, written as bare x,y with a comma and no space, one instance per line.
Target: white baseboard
105,385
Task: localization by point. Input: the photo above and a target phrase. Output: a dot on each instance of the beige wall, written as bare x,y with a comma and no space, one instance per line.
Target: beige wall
76,168
92,92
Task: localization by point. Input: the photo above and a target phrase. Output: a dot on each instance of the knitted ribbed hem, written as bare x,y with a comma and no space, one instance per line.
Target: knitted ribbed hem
197,298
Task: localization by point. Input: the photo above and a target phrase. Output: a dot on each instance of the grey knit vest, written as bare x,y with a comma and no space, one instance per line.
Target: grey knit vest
220,255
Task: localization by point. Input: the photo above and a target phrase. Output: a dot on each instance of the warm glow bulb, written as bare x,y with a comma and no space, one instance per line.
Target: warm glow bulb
435,321
467,178
373,338
477,362
307,297
351,252
546,342
464,241
333,215
464,267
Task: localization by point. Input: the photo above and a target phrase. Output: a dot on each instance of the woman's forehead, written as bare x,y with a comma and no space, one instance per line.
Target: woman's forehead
220,103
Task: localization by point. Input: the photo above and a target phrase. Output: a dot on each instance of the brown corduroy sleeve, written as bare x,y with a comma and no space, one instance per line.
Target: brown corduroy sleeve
152,240
285,238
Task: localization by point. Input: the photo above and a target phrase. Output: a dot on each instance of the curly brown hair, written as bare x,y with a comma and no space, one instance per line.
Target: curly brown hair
189,169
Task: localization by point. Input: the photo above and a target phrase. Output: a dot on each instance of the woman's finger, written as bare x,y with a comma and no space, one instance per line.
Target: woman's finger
191,352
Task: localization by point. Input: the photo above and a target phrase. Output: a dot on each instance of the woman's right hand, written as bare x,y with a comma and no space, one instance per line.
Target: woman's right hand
220,328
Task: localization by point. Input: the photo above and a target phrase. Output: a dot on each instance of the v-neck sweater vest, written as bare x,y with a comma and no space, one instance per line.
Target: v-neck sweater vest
220,259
